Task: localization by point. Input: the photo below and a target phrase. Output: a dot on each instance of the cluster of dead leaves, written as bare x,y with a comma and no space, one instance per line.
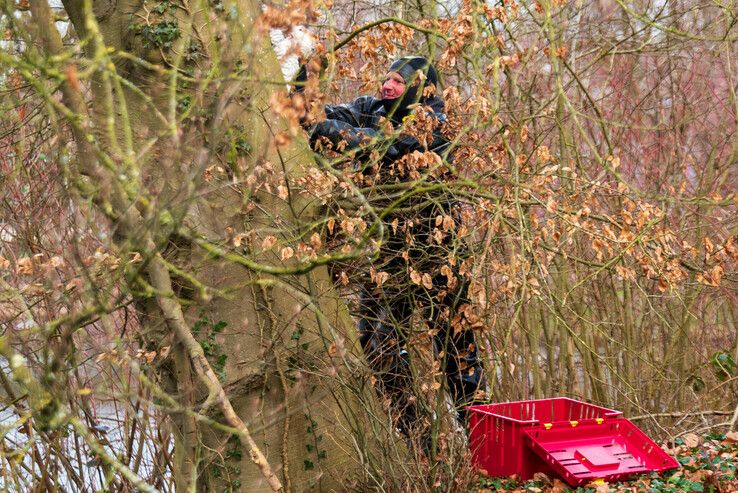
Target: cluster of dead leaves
142,355
413,164
466,318
636,240
375,48
385,39
317,183
461,34
44,274
421,124
36,264
293,13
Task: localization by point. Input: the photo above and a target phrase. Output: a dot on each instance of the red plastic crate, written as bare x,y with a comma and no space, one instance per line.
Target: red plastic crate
578,441
611,451
496,432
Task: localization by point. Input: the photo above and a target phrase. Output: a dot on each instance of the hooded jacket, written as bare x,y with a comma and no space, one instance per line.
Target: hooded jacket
358,122
358,125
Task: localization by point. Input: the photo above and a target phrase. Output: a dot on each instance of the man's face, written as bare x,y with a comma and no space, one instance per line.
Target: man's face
393,86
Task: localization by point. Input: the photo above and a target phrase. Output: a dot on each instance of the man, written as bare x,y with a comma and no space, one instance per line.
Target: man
420,254
402,88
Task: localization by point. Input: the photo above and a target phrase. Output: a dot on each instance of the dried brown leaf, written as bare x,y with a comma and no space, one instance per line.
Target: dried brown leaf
24,266
315,241
287,253
283,192
268,242
427,281
691,440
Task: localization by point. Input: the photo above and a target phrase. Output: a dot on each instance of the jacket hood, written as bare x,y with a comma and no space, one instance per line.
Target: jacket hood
407,67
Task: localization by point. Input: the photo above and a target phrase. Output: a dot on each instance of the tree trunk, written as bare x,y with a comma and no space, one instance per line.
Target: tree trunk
274,394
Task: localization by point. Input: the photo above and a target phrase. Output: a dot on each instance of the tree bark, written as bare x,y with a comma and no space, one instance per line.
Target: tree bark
290,381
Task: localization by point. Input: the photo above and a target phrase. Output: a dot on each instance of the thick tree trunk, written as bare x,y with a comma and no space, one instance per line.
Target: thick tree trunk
277,362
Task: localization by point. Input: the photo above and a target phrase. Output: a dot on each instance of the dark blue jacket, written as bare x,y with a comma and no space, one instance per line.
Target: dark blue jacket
359,121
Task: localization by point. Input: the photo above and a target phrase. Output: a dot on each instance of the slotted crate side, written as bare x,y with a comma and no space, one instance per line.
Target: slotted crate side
496,436
655,458
547,410
486,439
497,445
571,410
612,451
